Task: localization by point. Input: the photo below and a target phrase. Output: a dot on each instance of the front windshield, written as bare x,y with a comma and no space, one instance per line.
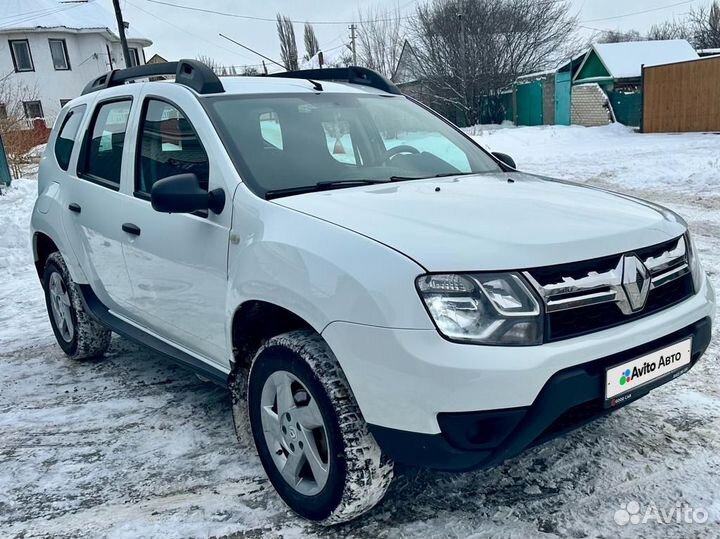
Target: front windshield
286,142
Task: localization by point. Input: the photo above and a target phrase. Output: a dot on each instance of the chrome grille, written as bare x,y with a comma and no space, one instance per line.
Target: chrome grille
593,295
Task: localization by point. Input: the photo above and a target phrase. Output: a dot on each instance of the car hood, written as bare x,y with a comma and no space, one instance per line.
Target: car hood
493,221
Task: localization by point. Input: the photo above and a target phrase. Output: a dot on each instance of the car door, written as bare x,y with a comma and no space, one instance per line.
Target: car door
178,262
94,214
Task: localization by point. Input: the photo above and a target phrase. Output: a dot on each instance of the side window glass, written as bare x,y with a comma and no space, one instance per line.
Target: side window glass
103,159
339,141
168,146
66,138
271,131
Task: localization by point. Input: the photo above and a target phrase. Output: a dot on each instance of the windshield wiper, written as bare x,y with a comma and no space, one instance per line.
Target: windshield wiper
443,175
349,183
320,186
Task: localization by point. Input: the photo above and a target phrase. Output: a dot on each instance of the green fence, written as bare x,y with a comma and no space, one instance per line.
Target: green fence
529,97
627,107
5,177
563,97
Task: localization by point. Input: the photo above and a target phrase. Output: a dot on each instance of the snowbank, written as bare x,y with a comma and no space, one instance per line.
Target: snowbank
687,163
22,312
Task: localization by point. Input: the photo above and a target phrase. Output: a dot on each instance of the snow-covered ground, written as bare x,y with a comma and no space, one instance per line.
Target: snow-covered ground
134,447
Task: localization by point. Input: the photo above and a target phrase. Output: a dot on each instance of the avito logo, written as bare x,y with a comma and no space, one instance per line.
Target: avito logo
646,368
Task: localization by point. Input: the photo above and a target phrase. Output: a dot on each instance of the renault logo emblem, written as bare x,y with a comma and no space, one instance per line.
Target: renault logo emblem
635,282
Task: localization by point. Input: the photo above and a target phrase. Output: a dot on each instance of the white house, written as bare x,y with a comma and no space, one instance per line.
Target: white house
52,49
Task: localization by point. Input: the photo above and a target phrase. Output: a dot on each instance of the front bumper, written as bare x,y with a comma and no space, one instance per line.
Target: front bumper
417,390
571,398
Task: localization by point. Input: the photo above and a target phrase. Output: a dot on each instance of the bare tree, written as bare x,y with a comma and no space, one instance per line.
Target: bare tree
250,71
344,59
19,133
619,36
670,30
470,50
705,26
380,38
288,45
212,63
312,46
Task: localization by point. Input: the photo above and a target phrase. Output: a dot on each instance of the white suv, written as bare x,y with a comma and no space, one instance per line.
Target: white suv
372,285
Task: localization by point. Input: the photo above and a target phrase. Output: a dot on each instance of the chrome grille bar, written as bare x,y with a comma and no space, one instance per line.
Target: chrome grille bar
607,287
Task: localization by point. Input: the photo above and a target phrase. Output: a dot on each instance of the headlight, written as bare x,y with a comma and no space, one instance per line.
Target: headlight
694,262
483,308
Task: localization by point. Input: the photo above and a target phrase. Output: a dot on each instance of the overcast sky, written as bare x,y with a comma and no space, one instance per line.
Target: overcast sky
182,33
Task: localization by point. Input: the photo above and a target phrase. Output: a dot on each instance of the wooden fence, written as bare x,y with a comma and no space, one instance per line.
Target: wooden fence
681,97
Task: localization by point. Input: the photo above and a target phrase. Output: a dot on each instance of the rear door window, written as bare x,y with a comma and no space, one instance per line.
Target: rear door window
102,161
68,133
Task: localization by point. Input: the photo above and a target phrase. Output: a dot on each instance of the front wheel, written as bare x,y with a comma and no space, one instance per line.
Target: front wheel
310,435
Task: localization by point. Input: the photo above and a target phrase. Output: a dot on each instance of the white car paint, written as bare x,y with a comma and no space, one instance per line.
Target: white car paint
492,221
346,262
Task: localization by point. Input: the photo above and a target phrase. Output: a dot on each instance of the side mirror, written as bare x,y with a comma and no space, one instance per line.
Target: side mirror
505,158
182,193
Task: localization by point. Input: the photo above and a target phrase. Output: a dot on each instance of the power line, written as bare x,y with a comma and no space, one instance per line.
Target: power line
32,15
639,12
227,49
267,19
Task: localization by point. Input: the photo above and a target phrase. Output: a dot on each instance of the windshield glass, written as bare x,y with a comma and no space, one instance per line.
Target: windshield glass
293,141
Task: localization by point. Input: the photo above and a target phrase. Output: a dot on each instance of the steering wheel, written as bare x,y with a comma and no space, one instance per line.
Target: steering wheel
403,148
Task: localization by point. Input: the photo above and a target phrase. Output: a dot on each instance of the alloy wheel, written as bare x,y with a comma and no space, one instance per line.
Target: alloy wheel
295,433
61,307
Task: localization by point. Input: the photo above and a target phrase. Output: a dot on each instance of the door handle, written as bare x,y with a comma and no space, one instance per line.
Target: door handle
131,229
75,208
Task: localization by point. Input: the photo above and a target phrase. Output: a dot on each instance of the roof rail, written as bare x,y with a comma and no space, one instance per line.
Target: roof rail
190,73
351,74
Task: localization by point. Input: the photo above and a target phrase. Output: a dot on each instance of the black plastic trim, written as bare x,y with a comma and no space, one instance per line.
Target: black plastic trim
191,73
101,314
350,74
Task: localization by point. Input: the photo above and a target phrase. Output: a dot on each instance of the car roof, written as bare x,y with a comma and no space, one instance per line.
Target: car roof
281,85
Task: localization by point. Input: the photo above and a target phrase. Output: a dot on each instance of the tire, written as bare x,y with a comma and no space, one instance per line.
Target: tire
238,386
350,474
78,335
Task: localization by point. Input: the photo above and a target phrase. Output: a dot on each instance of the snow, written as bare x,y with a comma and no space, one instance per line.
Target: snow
614,154
133,447
625,60
23,14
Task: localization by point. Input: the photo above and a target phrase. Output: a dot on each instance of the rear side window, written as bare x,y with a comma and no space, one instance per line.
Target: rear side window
339,140
168,146
103,156
66,138
271,130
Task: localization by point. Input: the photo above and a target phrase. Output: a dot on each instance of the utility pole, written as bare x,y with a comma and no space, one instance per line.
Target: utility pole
352,41
121,31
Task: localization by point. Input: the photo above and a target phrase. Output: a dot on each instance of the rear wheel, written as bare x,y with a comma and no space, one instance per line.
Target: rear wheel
310,435
77,334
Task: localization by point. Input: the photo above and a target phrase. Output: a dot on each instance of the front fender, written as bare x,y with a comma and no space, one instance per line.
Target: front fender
317,270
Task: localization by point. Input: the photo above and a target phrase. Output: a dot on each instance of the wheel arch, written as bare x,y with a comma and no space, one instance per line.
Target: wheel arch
256,321
43,247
